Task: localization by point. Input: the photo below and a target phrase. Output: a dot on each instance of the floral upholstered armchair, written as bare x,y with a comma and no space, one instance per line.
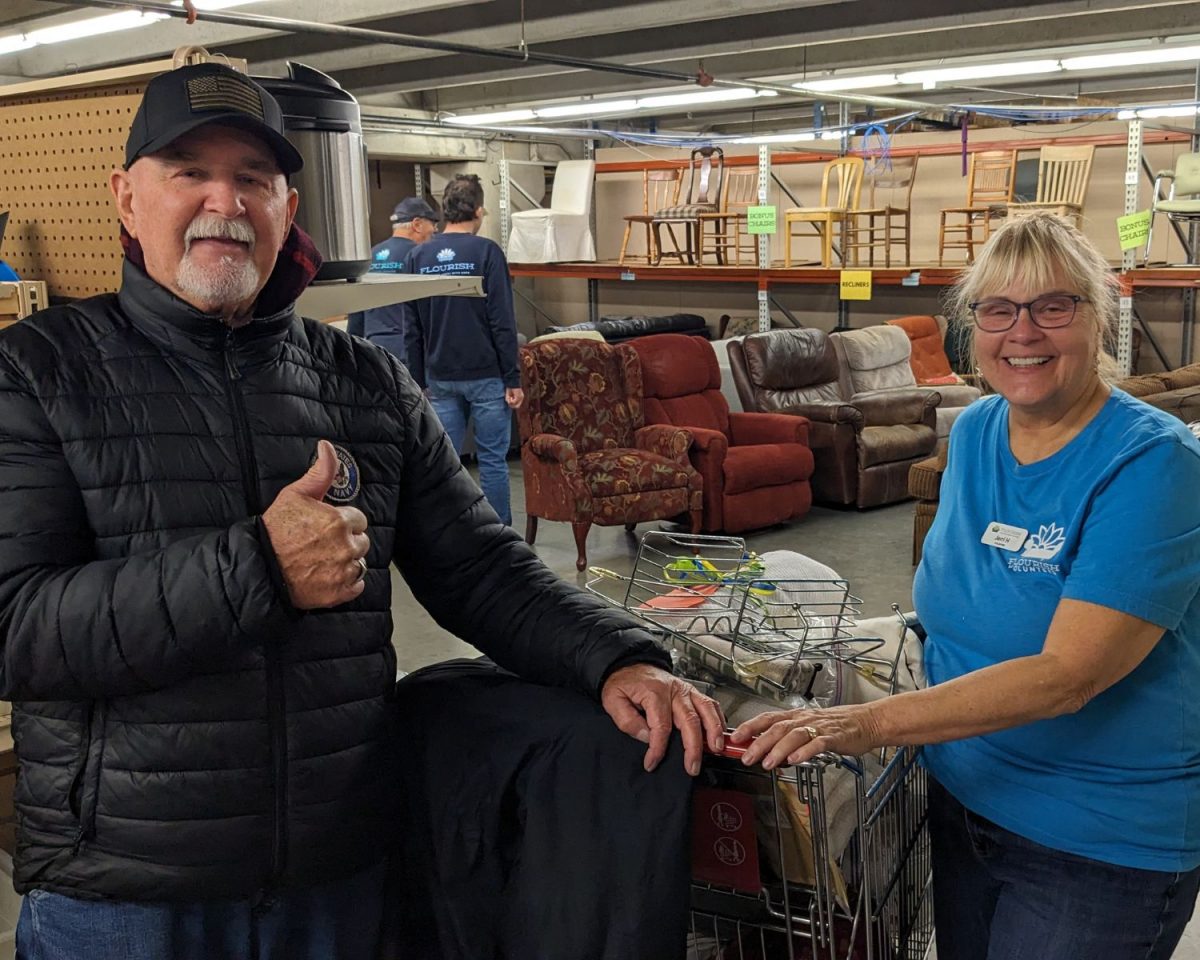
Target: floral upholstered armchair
586,455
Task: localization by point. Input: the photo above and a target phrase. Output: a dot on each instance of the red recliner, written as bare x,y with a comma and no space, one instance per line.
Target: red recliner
756,466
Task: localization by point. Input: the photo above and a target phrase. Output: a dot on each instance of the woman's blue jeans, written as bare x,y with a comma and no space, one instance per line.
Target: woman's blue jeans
999,896
457,401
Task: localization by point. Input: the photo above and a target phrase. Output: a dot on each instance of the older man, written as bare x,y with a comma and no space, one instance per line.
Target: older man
414,221
200,495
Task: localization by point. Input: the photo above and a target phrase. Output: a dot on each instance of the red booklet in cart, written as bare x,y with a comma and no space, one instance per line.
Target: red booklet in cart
724,843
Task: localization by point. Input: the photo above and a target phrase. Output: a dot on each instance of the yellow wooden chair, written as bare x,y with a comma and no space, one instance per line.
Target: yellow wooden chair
847,173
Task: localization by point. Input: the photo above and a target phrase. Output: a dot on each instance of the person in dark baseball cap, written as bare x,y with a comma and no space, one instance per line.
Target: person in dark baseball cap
413,222
413,208
179,101
204,201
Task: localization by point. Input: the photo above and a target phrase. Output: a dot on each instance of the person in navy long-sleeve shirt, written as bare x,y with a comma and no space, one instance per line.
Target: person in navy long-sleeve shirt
463,350
415,222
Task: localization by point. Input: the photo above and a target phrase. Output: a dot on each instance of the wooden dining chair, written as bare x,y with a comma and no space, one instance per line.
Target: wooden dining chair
846,173
885,219
723,234
706,176
1063,176
990,179
660,188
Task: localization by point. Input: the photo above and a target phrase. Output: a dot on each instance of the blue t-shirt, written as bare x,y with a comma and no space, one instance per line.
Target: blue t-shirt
384,325
1113,518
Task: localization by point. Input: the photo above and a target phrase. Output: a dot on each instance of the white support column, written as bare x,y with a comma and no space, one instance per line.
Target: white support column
1133,176
764,239
505,204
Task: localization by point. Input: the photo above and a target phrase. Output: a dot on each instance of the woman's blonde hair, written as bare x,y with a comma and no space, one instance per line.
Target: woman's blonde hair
1043,250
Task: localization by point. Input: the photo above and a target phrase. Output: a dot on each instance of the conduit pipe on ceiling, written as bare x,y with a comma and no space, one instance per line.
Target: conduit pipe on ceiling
367,35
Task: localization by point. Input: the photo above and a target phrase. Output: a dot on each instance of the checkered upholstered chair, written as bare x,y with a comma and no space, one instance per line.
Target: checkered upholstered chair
706,174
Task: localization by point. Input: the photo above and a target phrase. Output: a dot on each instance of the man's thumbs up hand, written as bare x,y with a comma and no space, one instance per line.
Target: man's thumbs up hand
316,483
319,547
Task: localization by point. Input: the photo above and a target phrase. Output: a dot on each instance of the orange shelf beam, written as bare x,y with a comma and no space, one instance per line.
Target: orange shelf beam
1172,277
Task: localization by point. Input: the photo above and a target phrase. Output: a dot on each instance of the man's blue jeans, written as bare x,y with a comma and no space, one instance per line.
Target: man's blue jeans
336,921
999,896
455,402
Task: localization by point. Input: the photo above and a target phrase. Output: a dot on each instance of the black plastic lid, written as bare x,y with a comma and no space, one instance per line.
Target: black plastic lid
312,99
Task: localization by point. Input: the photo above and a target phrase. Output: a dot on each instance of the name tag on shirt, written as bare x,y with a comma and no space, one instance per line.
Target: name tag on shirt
1005,536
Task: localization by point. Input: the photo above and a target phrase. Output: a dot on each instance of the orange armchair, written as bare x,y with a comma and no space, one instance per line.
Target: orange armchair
930,365
586,454
756,466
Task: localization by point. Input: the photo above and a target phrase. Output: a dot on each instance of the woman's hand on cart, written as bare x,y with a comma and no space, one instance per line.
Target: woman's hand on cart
784,737
646,702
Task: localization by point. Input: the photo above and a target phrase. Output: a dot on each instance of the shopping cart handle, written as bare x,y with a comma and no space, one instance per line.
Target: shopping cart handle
730,751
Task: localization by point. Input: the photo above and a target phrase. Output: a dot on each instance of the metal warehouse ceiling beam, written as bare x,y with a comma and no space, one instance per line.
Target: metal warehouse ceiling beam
160,39
734,49
366,35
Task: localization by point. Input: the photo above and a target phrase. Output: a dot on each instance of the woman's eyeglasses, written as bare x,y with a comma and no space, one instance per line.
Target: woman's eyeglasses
995,314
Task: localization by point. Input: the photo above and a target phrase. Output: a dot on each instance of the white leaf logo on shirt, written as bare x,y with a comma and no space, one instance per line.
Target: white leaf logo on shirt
446,253
1045,543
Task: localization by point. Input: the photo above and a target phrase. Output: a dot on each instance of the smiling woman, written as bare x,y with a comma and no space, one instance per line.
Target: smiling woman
1062,607
1043,302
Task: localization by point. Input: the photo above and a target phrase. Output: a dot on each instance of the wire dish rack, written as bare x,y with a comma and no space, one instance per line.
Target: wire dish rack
730,618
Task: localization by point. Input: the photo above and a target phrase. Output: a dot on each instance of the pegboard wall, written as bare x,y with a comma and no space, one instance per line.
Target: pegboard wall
56,153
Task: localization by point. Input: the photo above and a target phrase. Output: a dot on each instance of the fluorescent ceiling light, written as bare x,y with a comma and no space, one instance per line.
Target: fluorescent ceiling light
1132,58
703,96
1151,113
203,5
849,83
979,71
94,26
486,119
14,42
777,138
586,108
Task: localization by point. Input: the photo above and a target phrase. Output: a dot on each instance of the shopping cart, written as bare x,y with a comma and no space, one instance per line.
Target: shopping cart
828,859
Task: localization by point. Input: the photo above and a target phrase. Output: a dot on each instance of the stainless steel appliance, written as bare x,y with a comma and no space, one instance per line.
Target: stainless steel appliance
322,121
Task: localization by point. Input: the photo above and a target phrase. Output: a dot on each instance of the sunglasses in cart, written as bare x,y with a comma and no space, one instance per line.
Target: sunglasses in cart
995,314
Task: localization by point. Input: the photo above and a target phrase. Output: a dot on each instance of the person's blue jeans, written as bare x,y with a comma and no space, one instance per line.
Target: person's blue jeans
482,401
335,921
999,896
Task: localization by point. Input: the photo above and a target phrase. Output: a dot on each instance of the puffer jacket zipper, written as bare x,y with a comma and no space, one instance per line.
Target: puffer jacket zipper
276,704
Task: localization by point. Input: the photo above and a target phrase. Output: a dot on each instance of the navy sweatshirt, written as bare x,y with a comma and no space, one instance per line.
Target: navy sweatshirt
462,338
384,325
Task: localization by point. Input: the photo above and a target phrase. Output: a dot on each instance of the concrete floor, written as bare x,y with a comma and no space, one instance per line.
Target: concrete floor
872,549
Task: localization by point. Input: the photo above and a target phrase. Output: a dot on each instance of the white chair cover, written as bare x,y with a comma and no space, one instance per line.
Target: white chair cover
563,232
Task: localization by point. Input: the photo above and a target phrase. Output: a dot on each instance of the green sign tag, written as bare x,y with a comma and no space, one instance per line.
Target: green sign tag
760,219
1134,230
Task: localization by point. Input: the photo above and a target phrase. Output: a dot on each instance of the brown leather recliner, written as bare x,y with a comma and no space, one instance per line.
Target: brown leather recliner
863,443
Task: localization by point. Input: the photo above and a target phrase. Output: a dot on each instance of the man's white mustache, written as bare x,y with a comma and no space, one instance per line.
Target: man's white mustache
219,228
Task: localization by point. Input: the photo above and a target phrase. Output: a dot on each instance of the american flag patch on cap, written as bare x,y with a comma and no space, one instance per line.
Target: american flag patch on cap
224,92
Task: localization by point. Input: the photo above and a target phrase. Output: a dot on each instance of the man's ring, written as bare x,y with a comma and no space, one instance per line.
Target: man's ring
811,731
362,563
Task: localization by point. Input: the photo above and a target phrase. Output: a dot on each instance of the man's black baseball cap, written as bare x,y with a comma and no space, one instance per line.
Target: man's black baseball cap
182,100
410,208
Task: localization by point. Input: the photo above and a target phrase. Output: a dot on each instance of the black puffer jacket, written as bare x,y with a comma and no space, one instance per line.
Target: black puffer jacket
182,732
